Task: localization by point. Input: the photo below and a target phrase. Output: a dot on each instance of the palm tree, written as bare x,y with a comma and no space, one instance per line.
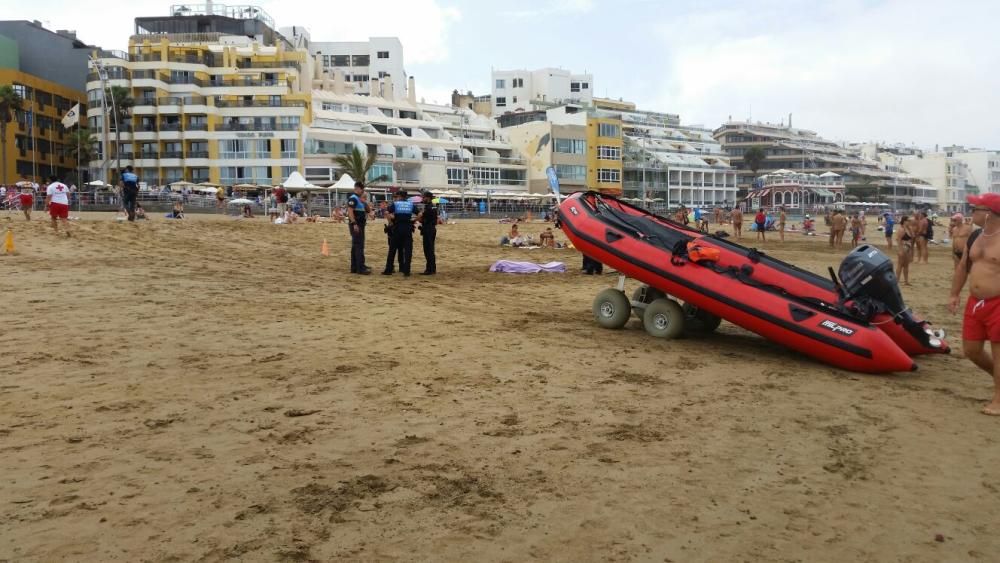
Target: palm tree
10,103
122,106
358,166
754,158
80,147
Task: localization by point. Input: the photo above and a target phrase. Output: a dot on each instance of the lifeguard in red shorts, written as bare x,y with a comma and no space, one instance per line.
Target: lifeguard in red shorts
57,202
980,264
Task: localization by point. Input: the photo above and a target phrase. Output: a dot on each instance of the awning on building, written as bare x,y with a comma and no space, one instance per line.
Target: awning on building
822,192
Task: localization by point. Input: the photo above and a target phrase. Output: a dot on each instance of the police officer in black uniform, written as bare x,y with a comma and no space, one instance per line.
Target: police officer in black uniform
401,215
428,219
391,236
357,219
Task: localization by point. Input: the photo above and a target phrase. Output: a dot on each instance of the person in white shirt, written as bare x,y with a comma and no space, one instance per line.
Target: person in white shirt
57,202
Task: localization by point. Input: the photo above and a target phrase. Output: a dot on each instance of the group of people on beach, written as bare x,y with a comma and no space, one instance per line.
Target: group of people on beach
517,239
57,200
402,219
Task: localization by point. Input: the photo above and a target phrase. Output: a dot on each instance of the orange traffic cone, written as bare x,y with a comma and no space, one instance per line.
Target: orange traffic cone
325,249
8,242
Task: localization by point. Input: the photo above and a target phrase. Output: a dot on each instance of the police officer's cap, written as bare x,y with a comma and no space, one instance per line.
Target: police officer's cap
402,194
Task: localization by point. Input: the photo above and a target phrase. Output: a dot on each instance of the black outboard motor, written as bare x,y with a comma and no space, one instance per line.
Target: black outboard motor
867,273
868,281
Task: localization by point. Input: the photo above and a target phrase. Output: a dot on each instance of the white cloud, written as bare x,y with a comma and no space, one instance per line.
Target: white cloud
421,25
899,71
553,7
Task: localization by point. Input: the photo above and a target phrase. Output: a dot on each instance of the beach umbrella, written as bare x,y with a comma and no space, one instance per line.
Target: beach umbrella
245,186
181,184
439,200
241,201
416,199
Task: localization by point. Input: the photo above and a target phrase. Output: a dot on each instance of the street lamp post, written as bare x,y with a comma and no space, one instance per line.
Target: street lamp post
895,182
102,74
643,161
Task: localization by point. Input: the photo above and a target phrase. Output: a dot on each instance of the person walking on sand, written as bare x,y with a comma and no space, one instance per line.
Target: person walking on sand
838,224
357,219
129,185
760,221
782,217
905,249
856,231
220,199
980,266
57,202
27,201
920,230
736,217
890,225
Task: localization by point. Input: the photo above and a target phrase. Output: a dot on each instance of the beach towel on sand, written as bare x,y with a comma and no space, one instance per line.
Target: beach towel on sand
512,267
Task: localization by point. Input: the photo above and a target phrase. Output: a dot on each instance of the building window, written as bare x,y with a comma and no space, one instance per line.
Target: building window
486,176
360,60
514,100
605,152
340,60
574,86
286,171
571,172
457,176
380,170
501,84
570,146
289,148
608,130
584,85
609,175
383,54
501,102
518,83
230,175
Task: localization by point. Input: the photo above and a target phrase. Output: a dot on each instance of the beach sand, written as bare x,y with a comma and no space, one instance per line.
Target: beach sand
214,389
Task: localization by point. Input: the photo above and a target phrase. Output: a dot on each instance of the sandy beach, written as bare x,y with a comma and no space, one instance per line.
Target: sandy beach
215,390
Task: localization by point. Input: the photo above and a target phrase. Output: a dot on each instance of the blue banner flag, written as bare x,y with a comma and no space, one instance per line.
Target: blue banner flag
553,179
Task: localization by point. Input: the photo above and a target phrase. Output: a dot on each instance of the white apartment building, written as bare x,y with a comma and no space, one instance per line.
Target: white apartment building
675,164
517,90
418,145
361,62
946,172
983,167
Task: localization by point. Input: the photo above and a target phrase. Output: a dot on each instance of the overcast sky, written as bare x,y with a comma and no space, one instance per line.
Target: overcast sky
909,71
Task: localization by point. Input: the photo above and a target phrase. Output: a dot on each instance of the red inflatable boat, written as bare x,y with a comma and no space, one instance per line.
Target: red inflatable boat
856,321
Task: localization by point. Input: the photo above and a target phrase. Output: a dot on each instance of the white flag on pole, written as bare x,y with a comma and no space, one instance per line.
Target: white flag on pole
72,118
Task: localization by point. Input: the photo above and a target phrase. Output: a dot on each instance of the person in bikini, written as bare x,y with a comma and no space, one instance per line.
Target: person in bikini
905,249
736,216
980,266
782,217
